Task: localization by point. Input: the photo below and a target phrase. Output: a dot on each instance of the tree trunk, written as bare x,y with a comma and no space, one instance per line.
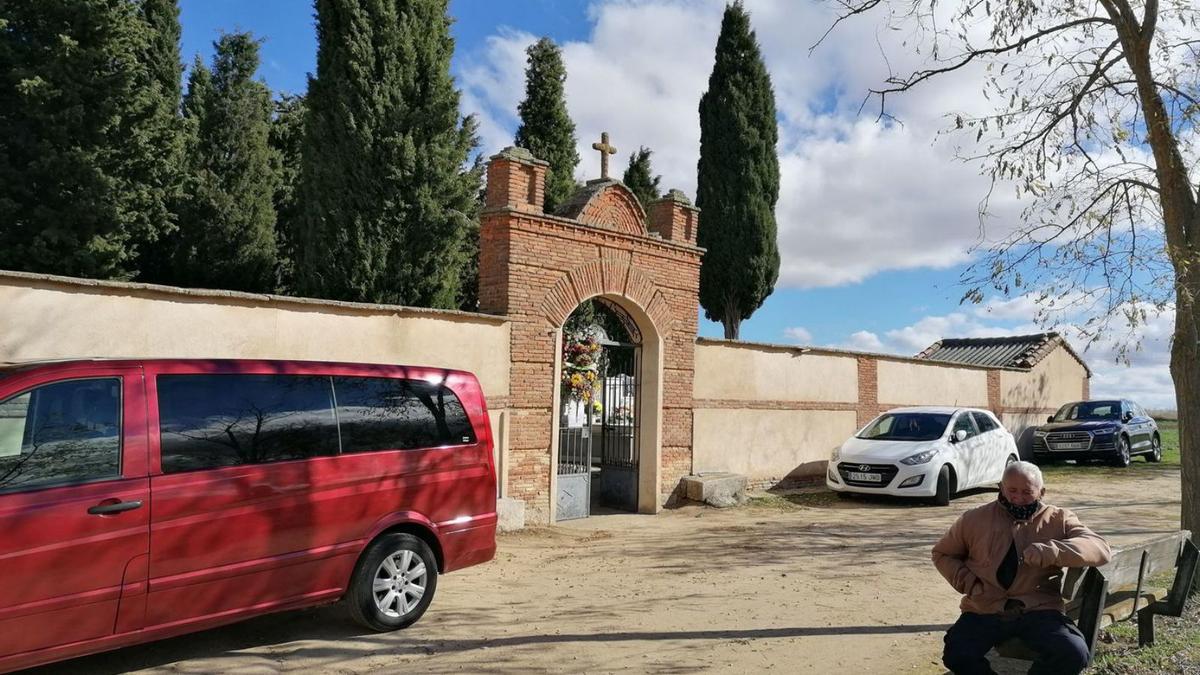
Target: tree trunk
732,321
1185,372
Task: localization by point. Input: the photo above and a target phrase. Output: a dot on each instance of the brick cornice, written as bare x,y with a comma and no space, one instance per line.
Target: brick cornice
522,221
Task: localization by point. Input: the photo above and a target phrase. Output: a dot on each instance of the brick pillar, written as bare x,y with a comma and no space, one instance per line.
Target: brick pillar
868,389
1087,387
516,180
993,392
674,218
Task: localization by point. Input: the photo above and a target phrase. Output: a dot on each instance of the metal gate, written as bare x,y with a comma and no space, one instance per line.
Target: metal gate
617,481
598,451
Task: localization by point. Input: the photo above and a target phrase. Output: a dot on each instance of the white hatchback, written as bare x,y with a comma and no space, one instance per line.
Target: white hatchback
923,452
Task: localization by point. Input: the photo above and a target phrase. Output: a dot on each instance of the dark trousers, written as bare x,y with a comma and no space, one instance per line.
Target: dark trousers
1059,645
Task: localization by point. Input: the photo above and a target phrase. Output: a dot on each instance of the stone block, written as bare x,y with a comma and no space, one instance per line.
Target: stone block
510,514
717,489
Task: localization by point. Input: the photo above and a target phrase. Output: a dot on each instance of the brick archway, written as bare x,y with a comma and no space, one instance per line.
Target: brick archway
536,268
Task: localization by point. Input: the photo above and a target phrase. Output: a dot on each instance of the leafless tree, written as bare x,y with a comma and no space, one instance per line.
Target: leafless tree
1094,122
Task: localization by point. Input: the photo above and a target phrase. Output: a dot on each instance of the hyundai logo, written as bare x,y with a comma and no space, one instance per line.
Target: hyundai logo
864,467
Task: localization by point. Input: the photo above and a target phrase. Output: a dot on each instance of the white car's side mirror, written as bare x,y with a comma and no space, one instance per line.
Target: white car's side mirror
960,436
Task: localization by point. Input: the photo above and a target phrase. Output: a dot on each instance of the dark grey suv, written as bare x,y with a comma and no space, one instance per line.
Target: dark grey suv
1114,430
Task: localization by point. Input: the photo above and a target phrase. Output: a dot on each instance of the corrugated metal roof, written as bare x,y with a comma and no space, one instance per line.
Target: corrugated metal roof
1014,351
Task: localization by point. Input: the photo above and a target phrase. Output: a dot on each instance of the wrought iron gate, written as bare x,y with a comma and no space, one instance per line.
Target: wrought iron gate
598,453
618,442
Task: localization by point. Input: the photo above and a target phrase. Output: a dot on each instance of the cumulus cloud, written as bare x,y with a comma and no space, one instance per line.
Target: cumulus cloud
857,197
798,334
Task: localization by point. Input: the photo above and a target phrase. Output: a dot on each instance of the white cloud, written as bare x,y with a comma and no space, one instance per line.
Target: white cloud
864,340
798,334
857,197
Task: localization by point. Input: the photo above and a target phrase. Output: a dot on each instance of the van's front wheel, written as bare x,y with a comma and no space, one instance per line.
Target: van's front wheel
393,583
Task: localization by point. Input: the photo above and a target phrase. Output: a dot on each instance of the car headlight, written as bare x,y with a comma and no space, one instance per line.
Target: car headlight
920,457
837,454
1040,433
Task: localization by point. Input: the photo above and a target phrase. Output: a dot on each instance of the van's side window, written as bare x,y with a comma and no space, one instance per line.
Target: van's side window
377,413
209,421
60,433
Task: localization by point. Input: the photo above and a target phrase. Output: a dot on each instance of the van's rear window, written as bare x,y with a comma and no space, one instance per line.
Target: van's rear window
209,421
378,413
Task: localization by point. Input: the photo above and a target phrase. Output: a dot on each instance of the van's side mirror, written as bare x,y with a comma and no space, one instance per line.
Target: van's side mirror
1050,418
959,436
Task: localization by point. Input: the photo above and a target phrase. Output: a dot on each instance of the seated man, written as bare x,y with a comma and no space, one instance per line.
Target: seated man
1006,558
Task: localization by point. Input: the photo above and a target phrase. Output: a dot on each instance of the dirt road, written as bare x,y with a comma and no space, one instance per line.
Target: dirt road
819,586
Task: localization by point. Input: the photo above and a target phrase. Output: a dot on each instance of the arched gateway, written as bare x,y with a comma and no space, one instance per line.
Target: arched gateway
537,269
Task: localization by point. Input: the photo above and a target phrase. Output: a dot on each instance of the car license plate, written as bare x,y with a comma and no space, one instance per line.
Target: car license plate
1070,446
866,477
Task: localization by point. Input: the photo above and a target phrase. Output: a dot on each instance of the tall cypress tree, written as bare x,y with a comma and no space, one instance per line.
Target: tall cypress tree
639,177
385,194
84,175
227,216
165,73
546,128
738,178
287,138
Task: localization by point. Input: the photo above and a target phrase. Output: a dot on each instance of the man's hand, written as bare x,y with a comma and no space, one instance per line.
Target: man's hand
1038,555
976,588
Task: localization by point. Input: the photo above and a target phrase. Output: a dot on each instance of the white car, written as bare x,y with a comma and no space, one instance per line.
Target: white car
923,452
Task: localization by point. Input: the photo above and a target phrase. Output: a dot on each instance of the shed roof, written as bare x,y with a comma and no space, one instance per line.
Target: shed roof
1013,351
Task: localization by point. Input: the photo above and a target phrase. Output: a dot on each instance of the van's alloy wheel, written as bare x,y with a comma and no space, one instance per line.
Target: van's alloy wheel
393,583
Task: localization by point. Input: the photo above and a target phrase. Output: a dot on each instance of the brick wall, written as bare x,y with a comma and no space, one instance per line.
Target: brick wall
537,269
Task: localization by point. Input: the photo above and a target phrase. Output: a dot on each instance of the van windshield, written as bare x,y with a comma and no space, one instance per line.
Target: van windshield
906,427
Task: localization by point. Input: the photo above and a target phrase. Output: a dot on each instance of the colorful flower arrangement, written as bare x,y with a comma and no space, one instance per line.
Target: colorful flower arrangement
580,356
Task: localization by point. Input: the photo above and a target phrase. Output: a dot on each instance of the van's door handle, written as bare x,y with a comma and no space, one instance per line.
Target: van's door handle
107,508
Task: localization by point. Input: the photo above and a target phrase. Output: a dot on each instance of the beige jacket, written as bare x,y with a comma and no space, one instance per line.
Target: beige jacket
970,553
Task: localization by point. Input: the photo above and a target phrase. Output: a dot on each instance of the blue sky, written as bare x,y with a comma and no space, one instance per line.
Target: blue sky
875,220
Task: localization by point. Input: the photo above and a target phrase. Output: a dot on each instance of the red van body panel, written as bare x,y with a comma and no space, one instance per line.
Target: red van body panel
212,546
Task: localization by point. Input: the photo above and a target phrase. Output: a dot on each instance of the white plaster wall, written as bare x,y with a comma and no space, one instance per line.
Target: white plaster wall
750,374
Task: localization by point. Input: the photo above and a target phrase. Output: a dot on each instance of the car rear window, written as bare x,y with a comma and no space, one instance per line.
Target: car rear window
906,427
377,413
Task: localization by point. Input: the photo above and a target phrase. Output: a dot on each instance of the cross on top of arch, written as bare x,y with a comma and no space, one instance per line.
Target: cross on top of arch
605,150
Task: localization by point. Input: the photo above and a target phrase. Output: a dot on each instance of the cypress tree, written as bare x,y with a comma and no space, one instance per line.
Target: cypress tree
738,178
385,196
546,128
227,217
640,179
165,72
84,174
287,137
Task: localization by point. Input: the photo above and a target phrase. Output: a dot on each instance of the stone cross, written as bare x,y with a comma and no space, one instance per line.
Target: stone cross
605,150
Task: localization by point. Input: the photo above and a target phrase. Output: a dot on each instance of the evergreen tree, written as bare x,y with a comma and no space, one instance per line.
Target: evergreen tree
165,72
287,138
227,216
639,179
546,128
385,196
85,134
738,178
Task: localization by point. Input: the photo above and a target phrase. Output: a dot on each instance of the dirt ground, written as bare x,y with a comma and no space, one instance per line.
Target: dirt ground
812,585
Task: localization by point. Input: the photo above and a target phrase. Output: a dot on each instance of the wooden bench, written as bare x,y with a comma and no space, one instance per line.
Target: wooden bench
1119,591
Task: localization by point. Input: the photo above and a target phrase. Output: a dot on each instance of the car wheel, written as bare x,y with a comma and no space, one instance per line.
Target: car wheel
393,583
1121,456
1155,450
945,487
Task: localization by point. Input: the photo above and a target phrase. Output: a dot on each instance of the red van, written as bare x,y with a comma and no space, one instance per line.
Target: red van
144,499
